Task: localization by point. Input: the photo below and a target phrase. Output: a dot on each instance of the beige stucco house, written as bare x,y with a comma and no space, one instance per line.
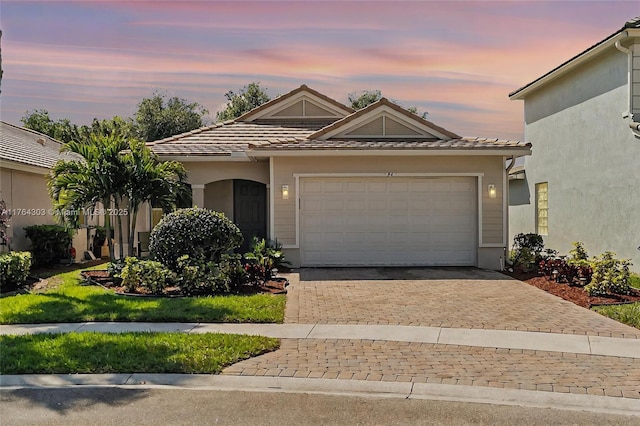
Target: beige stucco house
338,187
25,159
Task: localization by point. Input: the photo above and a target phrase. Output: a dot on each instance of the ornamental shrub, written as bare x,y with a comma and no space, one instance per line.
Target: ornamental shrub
49,243
264,259
148,274
197,277
14,269
578,254
610,275
203,235
527,249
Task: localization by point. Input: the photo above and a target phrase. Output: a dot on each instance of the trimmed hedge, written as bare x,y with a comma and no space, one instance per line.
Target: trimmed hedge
201,234
14,269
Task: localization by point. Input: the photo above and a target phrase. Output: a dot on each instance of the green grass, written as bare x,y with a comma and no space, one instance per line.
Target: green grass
634,280
628,314
70,301
127,352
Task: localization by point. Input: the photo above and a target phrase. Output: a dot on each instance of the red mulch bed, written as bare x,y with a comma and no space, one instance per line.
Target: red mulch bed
574,293
102,278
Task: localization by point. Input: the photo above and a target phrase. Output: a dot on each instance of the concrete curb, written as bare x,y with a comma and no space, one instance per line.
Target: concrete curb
506,339
473,394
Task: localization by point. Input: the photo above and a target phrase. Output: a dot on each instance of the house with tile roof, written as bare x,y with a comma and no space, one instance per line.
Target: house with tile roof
337,187
583,182
26,156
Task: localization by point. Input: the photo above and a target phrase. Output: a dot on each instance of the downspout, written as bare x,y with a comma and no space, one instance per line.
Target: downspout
504,260
635,126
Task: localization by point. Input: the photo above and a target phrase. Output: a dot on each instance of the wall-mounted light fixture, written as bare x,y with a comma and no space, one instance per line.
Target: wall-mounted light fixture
285,192
492,191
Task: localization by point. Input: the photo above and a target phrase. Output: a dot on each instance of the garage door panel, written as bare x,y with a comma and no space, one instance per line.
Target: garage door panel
377,205
355,205
311,187
377,187
388,221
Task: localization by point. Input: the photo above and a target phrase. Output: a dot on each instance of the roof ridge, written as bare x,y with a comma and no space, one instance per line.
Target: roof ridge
372,106
293,92
632,23
191,132
35,132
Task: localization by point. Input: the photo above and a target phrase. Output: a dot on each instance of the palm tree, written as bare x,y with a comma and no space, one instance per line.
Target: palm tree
93,180
161,184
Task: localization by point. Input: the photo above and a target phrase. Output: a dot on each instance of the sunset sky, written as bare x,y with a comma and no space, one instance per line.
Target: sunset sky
456,60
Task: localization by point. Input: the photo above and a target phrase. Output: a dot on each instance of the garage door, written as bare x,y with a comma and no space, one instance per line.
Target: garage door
388,221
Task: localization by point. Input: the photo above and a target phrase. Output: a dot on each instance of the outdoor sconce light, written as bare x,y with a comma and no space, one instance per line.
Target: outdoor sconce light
492,191
285,192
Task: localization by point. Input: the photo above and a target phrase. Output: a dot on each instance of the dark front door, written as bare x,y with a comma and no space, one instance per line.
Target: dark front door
250,210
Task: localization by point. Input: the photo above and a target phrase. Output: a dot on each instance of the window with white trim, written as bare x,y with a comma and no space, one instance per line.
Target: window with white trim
542,208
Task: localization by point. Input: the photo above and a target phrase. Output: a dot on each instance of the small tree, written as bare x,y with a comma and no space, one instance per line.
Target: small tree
249,97
96,180
159,117
162,184
359,100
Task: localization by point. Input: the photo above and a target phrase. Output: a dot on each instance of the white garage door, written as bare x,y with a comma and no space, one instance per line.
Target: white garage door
388,221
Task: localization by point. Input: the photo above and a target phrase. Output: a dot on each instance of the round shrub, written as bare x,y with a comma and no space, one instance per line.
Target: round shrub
202,234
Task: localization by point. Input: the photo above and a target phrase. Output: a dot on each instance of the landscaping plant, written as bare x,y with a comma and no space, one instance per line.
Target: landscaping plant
49,243
574,270
527,249
264,258
147,274
202,234
14,269
5,218
199,277
610,275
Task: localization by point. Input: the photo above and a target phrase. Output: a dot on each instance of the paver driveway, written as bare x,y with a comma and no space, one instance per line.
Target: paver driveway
438,297
448,298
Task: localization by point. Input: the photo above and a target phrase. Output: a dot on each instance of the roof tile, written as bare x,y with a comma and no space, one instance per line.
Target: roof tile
21,145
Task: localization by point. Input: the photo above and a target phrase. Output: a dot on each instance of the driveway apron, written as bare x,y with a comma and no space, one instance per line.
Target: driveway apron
466,298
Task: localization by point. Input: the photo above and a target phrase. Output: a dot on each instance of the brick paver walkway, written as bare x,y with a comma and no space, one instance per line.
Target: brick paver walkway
447,364
453,298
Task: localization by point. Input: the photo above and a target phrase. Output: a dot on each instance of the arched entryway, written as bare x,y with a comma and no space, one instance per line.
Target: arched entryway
244,202
250,210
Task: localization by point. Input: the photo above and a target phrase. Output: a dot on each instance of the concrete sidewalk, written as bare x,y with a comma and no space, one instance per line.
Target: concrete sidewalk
504,339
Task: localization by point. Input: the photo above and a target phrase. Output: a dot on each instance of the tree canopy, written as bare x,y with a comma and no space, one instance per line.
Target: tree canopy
249,97
364,98
115,176
159,117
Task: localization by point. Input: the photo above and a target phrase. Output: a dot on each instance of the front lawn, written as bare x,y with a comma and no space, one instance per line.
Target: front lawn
627,314
67,300
128,352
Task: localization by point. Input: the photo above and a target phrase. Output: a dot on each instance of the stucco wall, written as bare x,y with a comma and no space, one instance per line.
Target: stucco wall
25,191
218,196
202,173
584,149
284,169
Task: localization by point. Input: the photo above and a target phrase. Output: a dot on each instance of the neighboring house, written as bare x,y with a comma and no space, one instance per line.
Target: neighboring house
380,186
583,182
25,159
